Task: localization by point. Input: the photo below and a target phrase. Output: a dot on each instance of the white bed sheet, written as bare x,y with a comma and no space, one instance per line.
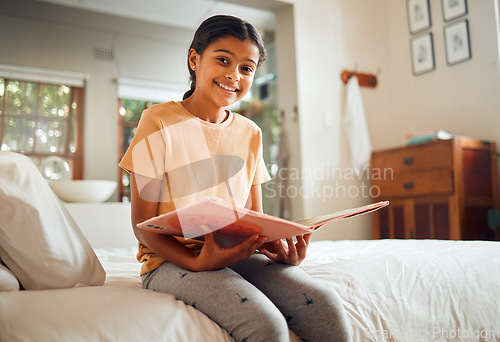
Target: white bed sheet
393,290
414,290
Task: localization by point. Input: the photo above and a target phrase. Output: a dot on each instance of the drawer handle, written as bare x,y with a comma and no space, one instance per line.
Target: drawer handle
408,185
408,160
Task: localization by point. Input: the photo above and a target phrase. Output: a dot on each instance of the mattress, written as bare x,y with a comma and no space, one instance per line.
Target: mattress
392,290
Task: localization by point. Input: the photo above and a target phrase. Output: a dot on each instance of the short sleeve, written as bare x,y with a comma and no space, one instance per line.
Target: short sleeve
261,174
146,153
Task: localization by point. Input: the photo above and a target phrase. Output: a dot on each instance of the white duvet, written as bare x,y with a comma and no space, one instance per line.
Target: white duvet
393,290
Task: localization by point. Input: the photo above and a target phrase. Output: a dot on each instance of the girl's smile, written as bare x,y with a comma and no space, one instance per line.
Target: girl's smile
226,87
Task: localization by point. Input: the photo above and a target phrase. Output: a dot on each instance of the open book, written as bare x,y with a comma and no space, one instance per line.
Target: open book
232,225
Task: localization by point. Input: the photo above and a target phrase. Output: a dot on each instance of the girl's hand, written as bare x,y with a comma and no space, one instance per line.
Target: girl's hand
287,253
212,257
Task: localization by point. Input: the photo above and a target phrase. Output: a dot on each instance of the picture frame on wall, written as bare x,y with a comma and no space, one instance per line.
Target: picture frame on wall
453,9
422,53
457,42
419,15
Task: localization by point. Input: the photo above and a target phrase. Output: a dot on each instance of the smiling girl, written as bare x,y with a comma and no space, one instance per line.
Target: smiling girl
184,151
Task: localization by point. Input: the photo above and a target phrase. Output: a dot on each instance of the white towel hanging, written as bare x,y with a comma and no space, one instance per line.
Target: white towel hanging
356,128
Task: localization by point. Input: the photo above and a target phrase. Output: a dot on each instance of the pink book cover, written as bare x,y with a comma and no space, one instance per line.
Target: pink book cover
232,225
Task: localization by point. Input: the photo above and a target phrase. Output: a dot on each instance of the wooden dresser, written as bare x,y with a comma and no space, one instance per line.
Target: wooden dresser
438,190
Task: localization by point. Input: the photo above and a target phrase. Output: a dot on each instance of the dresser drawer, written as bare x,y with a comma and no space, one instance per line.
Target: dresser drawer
431,156
436,182
438,190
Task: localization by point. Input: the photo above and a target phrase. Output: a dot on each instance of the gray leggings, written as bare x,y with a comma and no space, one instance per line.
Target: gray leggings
257,300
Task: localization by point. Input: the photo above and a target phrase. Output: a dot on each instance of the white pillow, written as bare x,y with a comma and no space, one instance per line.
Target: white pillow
8,281
39,240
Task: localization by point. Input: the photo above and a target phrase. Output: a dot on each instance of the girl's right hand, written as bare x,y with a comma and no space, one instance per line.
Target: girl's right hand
213,257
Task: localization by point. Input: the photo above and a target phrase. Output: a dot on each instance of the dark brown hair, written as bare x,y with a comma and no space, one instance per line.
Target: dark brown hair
217,27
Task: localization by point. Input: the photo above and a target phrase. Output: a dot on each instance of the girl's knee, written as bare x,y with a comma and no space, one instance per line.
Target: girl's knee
266,326
322,317
331,308
270,329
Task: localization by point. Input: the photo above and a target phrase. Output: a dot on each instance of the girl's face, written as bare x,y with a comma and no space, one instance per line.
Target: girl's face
225,71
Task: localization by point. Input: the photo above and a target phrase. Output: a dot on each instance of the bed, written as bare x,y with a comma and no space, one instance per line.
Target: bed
392,290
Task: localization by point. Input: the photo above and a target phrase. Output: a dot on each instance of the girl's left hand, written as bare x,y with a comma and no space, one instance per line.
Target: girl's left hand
287,253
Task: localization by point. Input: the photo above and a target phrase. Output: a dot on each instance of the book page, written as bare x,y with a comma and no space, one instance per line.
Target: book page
319,221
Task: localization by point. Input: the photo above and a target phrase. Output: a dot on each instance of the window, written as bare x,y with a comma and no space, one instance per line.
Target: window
134,96
42,120
130,112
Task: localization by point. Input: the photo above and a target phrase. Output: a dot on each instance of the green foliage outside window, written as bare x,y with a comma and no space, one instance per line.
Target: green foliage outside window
130,112
36,119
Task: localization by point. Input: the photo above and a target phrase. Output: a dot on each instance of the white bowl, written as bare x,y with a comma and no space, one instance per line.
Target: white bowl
85,190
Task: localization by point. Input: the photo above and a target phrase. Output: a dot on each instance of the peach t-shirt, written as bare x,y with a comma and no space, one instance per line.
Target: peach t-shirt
194,159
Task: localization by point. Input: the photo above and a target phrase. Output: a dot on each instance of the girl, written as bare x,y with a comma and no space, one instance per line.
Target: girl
184,151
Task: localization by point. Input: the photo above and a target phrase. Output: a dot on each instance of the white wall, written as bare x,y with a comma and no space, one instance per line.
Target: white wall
288,102
332,36
462,98
54,37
